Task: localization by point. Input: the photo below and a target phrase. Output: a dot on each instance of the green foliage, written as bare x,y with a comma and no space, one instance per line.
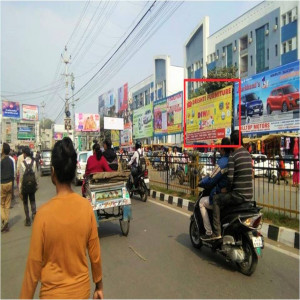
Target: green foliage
209,87
46,123
280,220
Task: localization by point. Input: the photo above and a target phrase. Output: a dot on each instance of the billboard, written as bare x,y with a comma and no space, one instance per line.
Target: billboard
30,112
87,122
60,135
143,122
209,117
168,115
110,100
126,135
113,123
101,104
26,132
115,138
269,101
10,109
123,98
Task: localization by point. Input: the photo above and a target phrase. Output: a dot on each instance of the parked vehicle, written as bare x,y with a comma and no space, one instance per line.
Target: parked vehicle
260,164
284,98
82,158
45,162
250,105
241,241
109,198
147,116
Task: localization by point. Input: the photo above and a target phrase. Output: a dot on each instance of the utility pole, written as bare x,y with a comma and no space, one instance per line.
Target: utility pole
66,60
43,104
73,103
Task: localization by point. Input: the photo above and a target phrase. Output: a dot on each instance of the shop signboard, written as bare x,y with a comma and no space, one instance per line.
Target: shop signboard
30,112
123,98
143,122
168,115
87,122
209,117
269,101
115,138
10,109
126,135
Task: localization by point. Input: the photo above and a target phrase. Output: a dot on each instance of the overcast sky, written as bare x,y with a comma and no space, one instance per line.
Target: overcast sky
34,34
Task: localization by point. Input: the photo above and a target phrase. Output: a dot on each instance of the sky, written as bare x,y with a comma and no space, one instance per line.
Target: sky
34,34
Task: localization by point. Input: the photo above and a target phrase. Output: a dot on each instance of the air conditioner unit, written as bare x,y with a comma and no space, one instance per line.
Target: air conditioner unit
275,27
295,17
234,48
223,54
217,56
267,32
250,40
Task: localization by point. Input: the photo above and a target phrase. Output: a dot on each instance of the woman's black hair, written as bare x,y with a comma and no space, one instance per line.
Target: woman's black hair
64,160
234,138
96,147
226,141
107,142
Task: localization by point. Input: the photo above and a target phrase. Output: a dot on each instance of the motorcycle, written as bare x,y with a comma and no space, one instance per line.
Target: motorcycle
139,185
241,241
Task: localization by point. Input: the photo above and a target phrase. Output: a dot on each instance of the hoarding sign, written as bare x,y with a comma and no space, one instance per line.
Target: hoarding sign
30,112
10,109
26,132
113,123
123,98
87,122
209,117
143,122
101,104
109,100
60,135
270,101
115,138
160,117
126,135
174,113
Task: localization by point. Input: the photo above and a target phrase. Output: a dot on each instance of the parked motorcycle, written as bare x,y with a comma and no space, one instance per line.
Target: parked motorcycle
241,243
139,186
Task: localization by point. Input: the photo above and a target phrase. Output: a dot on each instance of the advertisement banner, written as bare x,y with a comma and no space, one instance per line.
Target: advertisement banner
160,117
115,138
30,112
174,113
143,122
123,98
10,109
101,104
113,123
26,132
126,135
269,101
87,122
209,117
60,135
110,100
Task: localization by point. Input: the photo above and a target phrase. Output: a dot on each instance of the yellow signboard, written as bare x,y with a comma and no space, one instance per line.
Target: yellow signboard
209,117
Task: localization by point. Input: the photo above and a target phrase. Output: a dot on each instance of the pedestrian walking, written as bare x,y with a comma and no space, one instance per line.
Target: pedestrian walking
37,160
28,184
7,176
63,229
11,156
19,163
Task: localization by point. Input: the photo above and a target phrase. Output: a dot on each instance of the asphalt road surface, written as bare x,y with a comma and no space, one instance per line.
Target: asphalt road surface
156,260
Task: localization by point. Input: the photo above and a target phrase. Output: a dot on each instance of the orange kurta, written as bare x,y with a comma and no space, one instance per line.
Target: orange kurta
63,229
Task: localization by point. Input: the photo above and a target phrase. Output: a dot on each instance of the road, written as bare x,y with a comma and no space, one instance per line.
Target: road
156,260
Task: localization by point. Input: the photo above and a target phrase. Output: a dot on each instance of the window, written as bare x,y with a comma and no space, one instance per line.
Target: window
251,35
268,54
267,26
260,49
235,43
218,53
229,55
290,16
276,50
276,21
290,45
283,20
251,60
284,47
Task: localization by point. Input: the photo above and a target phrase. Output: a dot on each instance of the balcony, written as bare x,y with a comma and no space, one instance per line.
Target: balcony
243,51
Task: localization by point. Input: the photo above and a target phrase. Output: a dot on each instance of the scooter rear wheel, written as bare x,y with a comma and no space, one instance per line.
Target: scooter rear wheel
248,266
195,235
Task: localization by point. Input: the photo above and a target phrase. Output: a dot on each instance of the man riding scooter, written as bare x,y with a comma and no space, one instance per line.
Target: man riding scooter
214,184
134,162
239,183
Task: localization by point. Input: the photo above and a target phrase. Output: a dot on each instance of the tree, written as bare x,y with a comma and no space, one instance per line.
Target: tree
209,87
46,123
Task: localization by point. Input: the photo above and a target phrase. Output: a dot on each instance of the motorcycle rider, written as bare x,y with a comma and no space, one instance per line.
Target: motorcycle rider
216,183
239,183
134,162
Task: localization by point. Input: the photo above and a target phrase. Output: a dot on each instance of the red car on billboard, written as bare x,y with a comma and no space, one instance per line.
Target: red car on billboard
284,98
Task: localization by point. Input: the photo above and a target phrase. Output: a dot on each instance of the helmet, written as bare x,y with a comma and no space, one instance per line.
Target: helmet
138,145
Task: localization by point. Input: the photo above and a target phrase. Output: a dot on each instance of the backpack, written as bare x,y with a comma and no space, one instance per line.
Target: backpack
142,163
29,184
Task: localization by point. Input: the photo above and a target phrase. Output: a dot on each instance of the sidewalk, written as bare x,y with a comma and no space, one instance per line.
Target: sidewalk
283,235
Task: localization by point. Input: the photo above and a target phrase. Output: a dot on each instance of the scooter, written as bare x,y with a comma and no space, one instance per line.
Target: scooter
241,241
139,185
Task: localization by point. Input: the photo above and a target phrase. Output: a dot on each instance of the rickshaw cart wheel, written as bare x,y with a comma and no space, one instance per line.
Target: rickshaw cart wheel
124,227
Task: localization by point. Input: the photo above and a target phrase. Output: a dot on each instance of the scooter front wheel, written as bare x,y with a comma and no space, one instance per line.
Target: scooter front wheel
248,266
195,235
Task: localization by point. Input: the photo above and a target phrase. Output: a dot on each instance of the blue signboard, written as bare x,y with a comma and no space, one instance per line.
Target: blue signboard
10,109
269,101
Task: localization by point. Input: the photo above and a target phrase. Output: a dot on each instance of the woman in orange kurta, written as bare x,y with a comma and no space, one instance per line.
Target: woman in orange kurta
63,229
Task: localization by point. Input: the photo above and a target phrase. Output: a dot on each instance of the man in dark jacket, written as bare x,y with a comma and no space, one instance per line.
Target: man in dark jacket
110,155
7,177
